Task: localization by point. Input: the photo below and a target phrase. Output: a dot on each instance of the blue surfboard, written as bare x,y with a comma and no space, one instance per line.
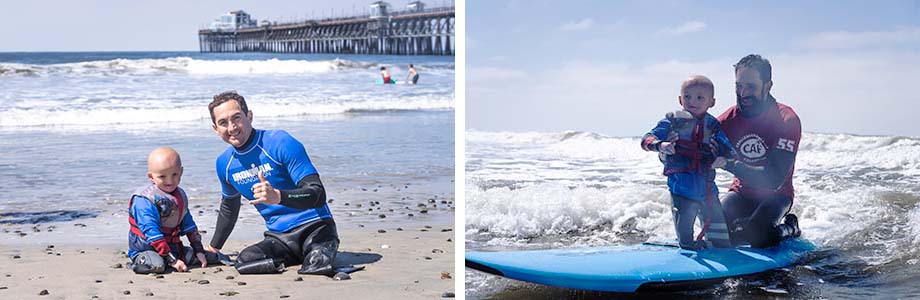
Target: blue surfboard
380,81
628,269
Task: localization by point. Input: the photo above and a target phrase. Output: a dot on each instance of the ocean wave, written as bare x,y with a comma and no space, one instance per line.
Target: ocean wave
552,189
182,65
598,215
136,114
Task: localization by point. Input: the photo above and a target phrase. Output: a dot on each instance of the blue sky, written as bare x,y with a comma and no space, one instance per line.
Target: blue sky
145,25
615,67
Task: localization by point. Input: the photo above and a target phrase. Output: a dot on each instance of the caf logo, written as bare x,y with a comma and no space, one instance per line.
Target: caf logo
752,147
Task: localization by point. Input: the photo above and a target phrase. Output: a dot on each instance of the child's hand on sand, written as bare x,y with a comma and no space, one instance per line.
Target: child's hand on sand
666,148
264,192
719,162
180,266
202,259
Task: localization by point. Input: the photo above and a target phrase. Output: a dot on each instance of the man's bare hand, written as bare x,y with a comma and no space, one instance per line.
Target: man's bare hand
264,193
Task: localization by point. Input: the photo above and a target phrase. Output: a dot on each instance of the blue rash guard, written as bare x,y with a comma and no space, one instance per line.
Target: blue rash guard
284,162
148,219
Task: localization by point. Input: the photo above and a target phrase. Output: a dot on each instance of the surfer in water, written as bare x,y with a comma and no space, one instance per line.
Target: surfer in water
413,74
385,74
691,145
766,134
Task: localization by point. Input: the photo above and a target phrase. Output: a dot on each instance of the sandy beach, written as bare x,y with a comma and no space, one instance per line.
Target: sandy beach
400,263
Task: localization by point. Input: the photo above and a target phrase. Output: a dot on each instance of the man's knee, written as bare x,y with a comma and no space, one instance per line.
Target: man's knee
253,253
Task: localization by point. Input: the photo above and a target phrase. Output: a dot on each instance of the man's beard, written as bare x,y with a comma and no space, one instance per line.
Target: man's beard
750,105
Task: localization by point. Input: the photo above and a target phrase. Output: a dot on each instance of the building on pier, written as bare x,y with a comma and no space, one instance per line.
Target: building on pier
417,30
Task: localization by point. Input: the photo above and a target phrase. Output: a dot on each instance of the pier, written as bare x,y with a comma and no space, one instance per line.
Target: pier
414,31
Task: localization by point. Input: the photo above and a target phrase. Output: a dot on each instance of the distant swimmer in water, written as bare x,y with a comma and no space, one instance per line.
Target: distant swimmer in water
413,74
386,75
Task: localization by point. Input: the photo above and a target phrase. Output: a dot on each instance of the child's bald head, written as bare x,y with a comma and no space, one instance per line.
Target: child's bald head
164,168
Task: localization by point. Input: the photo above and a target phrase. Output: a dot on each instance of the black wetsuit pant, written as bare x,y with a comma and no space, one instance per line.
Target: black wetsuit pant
415,79
759,218
314,245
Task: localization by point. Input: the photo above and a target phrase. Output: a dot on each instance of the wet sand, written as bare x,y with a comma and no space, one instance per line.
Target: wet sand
411,263
401,233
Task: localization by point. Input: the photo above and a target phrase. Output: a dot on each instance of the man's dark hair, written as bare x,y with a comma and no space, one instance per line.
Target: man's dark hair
411,66
224,97
383,68
762,65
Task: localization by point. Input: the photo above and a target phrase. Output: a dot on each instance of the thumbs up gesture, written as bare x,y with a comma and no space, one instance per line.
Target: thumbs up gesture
264,193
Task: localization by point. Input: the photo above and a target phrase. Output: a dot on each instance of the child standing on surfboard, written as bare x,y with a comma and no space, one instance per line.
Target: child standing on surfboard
691,144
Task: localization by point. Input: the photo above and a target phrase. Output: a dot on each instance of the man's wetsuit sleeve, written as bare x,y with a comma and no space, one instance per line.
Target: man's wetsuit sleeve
226,220
309,193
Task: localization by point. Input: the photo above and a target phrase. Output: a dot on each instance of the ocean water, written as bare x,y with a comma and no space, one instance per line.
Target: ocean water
76,129
857,199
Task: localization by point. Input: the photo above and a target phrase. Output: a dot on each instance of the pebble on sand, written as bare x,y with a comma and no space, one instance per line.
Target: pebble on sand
298,278
203,282
117,266
126,292
381,231
229,293
43,292
445,275
447,295
149,294
341,276
240,283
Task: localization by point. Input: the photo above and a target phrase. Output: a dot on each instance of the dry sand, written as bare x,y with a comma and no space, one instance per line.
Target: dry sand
416,263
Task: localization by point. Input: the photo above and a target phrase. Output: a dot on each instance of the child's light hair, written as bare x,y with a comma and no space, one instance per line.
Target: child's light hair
698,80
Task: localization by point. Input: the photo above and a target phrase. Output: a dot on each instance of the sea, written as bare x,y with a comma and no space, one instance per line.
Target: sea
856,197
76,128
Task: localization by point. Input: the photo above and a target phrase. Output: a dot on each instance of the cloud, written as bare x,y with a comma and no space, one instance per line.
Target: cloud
492,74
867,92
688,27
864,39
582,24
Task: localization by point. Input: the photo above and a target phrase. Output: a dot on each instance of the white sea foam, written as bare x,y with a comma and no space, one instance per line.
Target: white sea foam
527,185
151,112
181,65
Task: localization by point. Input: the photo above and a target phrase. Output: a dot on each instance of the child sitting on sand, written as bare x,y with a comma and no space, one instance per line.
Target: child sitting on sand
691,145
158,215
